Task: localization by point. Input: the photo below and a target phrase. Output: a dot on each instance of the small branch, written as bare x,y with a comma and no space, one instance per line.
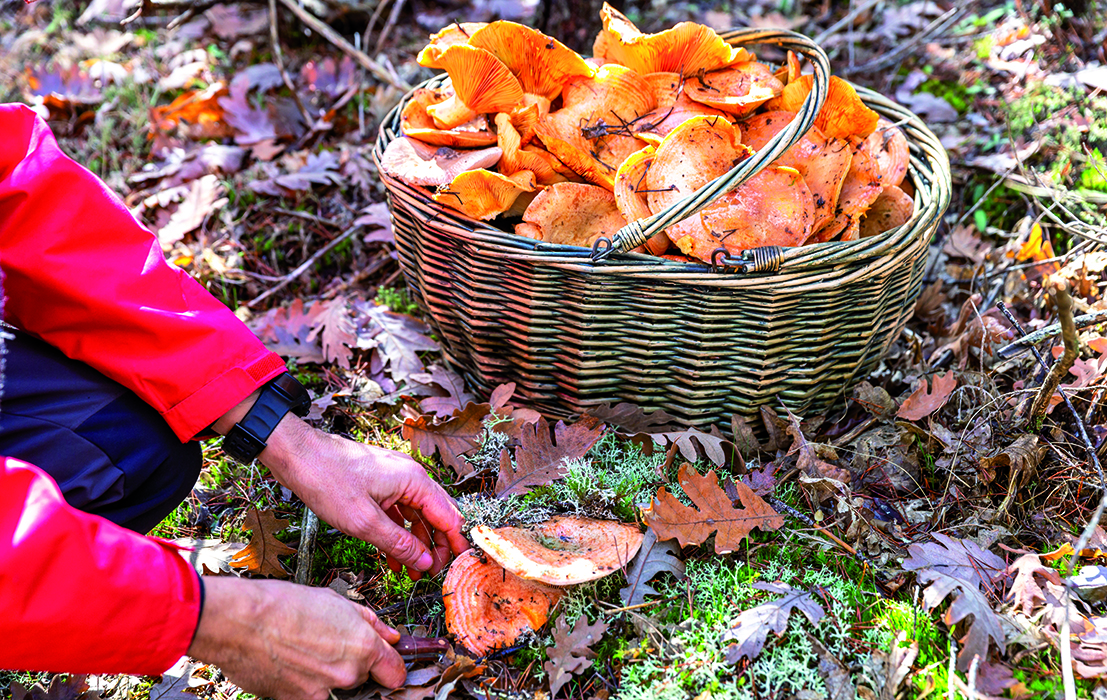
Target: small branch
393,16
1023,343
936,27
842,23
306,550
279,56
304,267
1063,301
335,38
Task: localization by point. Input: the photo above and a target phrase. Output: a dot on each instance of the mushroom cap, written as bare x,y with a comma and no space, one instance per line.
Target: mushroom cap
843,115
737,90
686,48
666,87
452,35
630,178
893,208
562,551
892,153
541,63
515,158
860,189
417,163
480,80
658,123
416,123
773,208
823,161
483,194
615,94
573,213
691,155
487,608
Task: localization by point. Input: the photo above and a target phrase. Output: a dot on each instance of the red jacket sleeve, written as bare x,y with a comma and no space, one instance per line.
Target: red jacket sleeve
87,278
80,594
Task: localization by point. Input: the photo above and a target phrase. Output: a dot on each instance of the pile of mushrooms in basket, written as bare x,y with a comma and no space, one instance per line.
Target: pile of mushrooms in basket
568,149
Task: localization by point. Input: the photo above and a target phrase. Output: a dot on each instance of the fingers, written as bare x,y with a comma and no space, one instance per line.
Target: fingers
401,545
439,511
387,633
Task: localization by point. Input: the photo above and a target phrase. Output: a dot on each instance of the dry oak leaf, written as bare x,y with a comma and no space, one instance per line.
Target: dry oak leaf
694,444
333,326
921,403
807,460
1025,592
713,511
539,460
571,652
209,557
971,601
452,438
69,687
962,559
260,555
630,419
752,626
398,338
456,397
1021,457
654,557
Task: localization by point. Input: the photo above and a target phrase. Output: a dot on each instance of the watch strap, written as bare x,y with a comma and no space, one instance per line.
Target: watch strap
245,441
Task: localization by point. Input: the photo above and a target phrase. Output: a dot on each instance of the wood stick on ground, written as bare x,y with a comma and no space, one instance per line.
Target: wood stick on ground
1022,344
278,55
1063,301
304,266
335,38
306,551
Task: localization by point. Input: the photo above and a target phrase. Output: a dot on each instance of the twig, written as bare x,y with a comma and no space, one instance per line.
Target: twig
1022,344
1063,301
304,267
782,507
336,39
938,26
278,55
1093,522
306,551
397,607
837,26
393,16
373,22
613,609
304,215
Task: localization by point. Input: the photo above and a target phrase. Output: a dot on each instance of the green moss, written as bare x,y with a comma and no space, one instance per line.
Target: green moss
398,299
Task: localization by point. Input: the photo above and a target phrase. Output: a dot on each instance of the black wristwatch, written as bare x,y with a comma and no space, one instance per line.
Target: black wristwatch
282,394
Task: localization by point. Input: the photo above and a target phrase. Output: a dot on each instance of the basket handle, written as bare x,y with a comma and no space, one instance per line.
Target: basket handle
638,232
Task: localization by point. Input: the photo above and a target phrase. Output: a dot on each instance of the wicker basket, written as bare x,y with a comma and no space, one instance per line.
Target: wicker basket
574,330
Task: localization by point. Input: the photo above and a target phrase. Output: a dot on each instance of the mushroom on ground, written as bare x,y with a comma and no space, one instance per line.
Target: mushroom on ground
562,551
487,608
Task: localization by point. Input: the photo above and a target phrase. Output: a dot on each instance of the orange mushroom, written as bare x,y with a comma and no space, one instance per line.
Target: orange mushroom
691,155
859,190
773,207
562,551
542,64
737,90
526,116
790,71
488,608
572,213
515,159
892,154
417,163
416,123
666,87
632,203
822,161
843,114
687,48
483,194
454,34
892,209
481,83
657,124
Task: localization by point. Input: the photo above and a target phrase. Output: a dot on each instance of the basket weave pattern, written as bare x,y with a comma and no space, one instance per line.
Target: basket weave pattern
701,343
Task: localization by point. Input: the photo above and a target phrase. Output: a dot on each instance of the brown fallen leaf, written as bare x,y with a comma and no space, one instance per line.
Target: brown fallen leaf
260,557
713,512
807,460
654,557
333,326
1021,458
201,199
695,444
455,398
451,439
630,419
540,460
1025,591
68,687
922,402
209,557
572,650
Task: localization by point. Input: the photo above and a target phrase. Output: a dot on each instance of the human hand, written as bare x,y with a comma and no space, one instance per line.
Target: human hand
368,492
290,642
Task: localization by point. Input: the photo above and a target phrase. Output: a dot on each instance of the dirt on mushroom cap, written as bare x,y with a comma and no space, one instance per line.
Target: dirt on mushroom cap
562,551
487,608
